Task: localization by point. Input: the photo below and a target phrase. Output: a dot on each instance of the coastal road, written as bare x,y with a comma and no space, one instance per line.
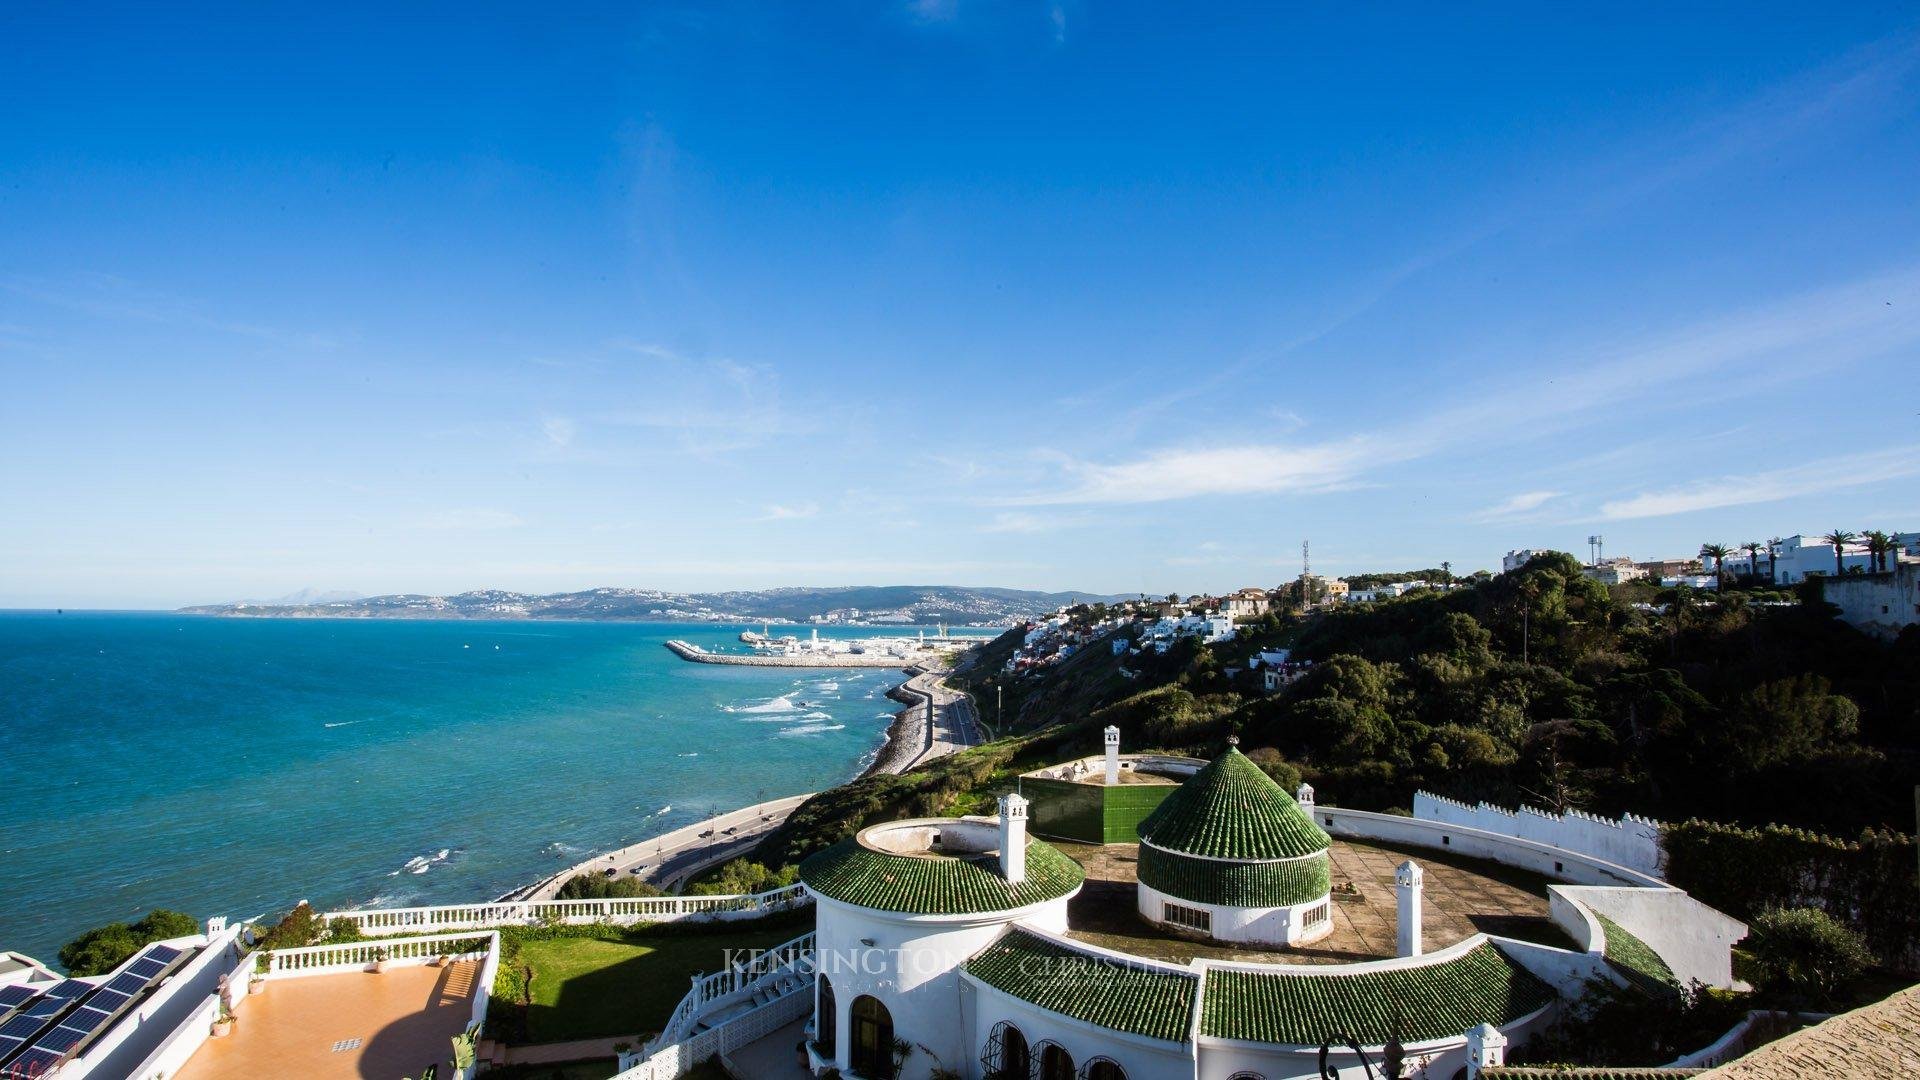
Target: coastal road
955,724
669,857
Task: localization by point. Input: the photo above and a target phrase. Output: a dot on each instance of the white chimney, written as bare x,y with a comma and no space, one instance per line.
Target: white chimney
1013,838
1408,884
1304,796
1113,755
1485,1047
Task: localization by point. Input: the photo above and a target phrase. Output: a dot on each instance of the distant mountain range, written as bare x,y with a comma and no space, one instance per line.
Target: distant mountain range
876,604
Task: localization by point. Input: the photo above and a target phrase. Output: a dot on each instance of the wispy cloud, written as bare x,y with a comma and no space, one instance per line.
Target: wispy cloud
1514,506
110,296
1181,474
559,430
1771,485
794,512
1795,336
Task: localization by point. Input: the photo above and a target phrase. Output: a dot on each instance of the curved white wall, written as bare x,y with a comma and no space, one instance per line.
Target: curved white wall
1255,926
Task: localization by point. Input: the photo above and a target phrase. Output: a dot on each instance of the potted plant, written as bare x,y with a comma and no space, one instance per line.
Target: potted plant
379,959
223,1022
257,981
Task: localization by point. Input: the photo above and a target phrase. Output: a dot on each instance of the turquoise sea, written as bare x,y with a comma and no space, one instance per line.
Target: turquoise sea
235,766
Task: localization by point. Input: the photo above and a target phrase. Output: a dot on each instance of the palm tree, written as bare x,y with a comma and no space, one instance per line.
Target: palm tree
1752,548
1718,553
1773,560
1879,544
1839,538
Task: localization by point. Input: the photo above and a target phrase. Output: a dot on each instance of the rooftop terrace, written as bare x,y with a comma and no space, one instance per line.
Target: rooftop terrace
1462,897
355,1024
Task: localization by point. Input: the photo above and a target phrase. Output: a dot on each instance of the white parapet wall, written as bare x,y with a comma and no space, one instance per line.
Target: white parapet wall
624,912
1630,841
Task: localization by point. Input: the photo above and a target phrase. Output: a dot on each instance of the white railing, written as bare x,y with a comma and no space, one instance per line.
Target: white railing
675,1059
400,952
710,993
574,912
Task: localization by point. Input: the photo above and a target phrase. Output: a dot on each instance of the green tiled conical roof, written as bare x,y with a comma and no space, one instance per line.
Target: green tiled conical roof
936,884
1233,810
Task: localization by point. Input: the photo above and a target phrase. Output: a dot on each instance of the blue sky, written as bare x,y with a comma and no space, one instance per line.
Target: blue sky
1072,295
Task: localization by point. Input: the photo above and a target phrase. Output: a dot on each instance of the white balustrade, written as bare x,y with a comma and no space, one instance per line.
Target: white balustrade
536,912
320,959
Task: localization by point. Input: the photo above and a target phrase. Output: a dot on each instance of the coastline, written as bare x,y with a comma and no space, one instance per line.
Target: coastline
679,854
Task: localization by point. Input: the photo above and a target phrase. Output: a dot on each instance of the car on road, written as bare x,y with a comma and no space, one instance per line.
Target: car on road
638,870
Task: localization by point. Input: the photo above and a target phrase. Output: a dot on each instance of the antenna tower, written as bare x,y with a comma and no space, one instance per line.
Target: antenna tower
1306,564
1596,548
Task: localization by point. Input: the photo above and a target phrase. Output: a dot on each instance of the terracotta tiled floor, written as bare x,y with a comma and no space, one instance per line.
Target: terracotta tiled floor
404,1019
1462,897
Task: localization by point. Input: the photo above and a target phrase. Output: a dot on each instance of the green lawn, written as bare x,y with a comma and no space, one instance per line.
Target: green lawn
584,988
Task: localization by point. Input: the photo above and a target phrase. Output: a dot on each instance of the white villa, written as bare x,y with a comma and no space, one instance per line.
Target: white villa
947,944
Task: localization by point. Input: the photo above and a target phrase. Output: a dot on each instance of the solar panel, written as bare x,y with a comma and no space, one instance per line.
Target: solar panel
166,954
16,995
61,1039
127,983
33,1063
147,967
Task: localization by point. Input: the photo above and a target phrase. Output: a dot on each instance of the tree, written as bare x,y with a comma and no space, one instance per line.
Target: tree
1839,538
1773,559
1879,544
1718,553
1804,954
1752,548
104,948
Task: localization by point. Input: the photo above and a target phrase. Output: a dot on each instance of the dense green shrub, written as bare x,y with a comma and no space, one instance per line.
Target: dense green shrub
296,929
104,948
1868,884
1804,956
745,876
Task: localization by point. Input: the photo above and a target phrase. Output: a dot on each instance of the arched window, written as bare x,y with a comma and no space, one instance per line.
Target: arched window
826,1021
1055,1062
1246,1076
1103,1069
1007,1056
872,1038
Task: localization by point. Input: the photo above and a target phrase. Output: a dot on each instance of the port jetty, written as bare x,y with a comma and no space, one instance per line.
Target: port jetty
814,651
698,655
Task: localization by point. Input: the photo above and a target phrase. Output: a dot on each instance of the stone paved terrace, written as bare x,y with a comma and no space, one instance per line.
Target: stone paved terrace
1463,897
354,1024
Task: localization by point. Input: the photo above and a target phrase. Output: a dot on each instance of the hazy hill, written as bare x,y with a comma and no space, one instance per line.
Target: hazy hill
876,603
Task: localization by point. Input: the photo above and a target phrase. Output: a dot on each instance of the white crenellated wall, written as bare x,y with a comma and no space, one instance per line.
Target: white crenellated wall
1630,841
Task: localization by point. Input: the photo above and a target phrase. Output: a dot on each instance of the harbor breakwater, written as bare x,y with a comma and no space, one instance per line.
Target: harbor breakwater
697,655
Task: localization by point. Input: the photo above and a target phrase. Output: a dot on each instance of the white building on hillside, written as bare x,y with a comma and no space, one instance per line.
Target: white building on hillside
1799,557
1519,557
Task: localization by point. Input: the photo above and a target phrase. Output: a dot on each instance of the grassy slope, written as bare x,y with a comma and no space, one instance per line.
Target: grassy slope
585,988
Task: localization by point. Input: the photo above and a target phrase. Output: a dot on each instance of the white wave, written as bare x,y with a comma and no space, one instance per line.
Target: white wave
343,723
667,809
816,716
783,703
809,729
693,753
826,687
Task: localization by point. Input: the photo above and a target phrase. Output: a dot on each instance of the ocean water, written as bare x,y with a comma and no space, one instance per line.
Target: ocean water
236,766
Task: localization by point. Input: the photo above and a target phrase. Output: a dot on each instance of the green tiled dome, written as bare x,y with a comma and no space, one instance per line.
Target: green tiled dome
853,873
1276,884
1233,810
